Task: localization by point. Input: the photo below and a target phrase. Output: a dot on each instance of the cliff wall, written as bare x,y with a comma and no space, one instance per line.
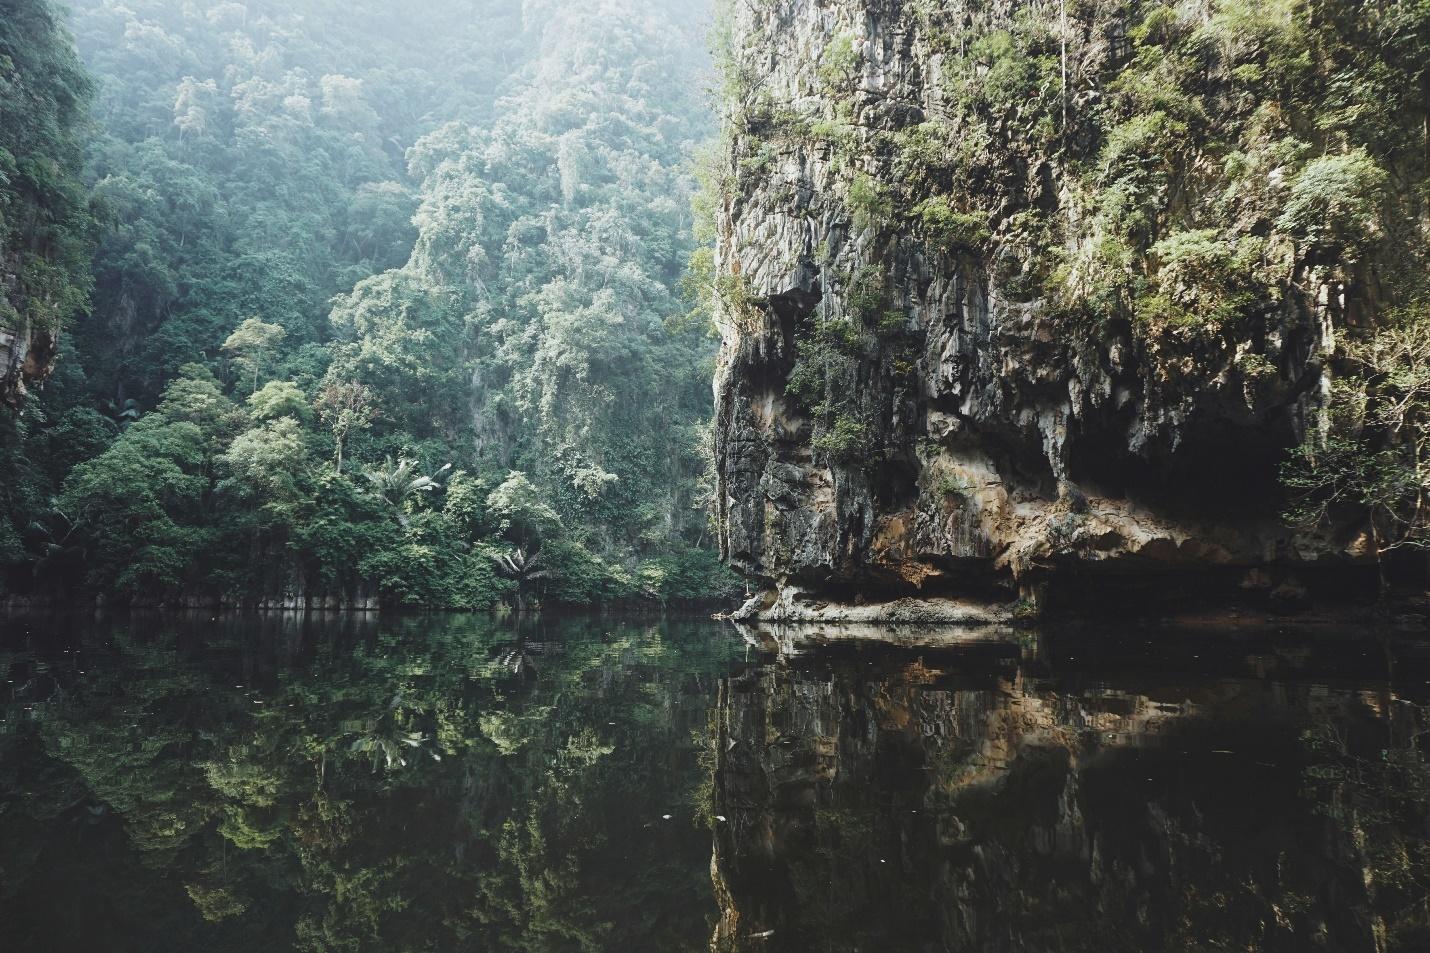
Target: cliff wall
1024,292
27,356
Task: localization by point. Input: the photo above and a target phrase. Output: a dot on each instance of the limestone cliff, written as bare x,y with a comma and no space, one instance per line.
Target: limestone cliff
26,358
1018,292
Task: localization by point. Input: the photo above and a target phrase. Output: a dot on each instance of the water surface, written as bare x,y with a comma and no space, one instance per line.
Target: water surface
457,783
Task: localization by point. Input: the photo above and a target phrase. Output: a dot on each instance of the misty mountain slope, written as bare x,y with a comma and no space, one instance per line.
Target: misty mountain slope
385,310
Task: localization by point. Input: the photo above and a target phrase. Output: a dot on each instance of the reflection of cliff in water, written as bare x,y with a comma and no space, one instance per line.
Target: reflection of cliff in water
982,802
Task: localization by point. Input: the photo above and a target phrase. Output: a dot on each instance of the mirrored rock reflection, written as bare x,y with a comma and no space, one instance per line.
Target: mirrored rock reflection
1157,793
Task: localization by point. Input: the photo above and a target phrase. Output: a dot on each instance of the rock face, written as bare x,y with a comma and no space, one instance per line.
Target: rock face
983,442
26,358
989,804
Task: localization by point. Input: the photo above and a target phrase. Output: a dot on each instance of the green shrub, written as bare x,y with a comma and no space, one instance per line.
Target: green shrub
474,583
866,293
825,356
870,206
952,484
846,440
1201,277
838,62
893,322
1334,204
579,577
687,576
841,136
1136,168
948,228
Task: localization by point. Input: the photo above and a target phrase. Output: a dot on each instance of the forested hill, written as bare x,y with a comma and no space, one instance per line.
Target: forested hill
355,302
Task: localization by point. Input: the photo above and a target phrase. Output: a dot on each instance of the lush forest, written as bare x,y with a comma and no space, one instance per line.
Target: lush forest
353,305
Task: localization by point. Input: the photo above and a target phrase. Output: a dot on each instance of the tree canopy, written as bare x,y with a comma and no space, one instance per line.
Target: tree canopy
337,240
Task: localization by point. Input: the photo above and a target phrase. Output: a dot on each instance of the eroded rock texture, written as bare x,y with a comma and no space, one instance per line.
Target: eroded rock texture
26,359
985,806
985,440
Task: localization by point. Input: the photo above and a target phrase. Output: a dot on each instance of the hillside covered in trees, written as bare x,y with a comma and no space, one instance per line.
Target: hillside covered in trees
335,303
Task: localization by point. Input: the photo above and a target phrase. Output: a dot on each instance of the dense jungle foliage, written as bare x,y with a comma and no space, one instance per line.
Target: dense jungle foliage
384,302
44,219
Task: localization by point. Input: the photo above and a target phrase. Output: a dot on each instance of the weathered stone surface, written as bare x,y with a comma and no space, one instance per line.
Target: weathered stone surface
26,359
1021,445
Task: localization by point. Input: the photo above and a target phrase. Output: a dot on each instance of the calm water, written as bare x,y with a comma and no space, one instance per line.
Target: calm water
450,783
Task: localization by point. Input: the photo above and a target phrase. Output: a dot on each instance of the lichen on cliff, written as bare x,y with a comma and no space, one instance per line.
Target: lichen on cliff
1030,287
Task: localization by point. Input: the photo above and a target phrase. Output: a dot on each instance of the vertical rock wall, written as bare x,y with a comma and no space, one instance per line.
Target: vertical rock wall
972,438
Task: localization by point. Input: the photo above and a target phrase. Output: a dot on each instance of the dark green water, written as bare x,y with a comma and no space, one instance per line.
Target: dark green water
452,783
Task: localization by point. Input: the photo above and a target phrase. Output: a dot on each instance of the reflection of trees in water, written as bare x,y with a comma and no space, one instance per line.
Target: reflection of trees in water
982,808
1373,781
392,788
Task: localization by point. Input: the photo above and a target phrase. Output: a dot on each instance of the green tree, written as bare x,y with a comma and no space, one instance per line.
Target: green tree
398,483
267,460
346,407
280,399
252,346
1373,458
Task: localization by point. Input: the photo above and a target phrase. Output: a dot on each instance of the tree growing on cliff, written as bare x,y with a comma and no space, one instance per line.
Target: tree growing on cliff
45,218
1373,458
